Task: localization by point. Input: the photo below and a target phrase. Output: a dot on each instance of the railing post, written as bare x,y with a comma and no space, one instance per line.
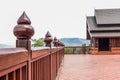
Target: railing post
84,49
55,42
24,31
48,39
61,55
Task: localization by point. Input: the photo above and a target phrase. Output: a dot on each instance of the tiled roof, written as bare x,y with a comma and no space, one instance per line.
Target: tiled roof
107,16
102,30
105,34
94,27
105,23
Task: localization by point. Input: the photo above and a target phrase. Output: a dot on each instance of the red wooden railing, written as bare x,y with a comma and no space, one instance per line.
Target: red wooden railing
44,64
24,63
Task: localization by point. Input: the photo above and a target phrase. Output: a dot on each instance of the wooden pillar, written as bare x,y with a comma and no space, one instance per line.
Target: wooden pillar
48,40
55,42
84,49
21,74
110,43
14,75
24,31
96,43
7,77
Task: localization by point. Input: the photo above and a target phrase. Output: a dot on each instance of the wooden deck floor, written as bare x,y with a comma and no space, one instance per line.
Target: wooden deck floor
90,67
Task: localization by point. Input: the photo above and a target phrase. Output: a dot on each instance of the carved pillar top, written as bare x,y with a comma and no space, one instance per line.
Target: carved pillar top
55,42
23,30
48,39
60,43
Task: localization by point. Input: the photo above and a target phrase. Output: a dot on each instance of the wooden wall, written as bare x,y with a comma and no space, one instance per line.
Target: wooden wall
114,42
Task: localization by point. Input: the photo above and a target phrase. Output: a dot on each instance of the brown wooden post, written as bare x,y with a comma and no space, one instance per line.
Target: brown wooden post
110,44
55,42
48,39
7,77
14,75
60,55
84,49
24,31
21,74
96,43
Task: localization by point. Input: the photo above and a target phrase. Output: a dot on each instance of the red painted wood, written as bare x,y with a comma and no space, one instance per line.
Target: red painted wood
7,77
21,74
43,67
37,69
14,75
13,68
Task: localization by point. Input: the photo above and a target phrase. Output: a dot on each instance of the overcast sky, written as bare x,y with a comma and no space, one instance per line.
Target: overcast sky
63,18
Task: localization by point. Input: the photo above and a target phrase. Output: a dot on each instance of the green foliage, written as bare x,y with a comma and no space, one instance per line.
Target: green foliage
77,50
73,50
38,42
68,51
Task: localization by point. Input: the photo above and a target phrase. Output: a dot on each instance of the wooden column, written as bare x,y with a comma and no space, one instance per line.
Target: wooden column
55,42
96,43
24,31
48,40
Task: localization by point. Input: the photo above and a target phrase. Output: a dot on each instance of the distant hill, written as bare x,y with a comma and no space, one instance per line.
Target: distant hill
6,46
74,41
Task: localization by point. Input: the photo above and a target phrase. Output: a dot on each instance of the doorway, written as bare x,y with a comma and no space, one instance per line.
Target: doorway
104,44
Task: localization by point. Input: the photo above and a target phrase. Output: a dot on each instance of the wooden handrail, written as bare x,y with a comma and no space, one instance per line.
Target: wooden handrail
44,65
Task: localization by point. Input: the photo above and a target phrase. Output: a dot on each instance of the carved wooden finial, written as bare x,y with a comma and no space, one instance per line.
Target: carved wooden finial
48,39
55,42
60,43
23,29
48,34
23,19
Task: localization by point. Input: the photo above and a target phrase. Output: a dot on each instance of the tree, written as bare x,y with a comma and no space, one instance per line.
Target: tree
38,42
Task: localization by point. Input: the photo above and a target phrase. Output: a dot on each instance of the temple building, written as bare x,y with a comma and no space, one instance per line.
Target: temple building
103,30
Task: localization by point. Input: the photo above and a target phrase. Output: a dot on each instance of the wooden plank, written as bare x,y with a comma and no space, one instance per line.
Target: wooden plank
45,68
27,72
32,71
37,69
20,73
42,69
13,68
24,73
6,76
14,75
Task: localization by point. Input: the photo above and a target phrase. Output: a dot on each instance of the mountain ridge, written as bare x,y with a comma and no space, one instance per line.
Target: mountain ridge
75,41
